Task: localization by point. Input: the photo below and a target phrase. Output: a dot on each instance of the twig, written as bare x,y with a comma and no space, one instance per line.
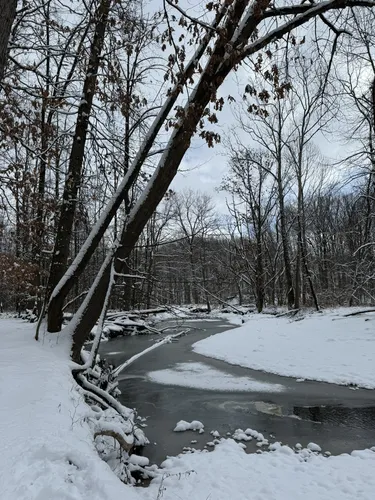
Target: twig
291,312
74,299
192,19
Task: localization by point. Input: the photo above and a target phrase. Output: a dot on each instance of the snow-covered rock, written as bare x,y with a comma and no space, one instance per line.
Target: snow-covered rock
182,426
314,447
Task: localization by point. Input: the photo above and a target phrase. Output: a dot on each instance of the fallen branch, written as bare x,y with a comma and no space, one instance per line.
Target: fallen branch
131,360
220,300
292,312
136,312
359,312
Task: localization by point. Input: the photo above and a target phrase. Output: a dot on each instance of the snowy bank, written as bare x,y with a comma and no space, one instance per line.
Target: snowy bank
229,473
326,347
48,450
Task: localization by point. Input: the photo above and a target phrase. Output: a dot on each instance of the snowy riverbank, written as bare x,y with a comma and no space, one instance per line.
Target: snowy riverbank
282,474
48,450
324,346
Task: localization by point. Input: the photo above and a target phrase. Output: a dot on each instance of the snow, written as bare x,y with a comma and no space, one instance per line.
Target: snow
248,435
240,435
48,450
314,447
228,472
47,444
323,346
202,376
138,460
182,426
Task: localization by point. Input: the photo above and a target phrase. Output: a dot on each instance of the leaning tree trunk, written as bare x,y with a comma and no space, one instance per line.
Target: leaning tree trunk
214,74
7,16
74,174
80,262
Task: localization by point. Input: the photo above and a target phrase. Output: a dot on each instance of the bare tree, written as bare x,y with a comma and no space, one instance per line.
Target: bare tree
254,198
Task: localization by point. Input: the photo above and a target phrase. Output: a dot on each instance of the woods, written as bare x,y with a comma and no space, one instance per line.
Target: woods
100,104
179,158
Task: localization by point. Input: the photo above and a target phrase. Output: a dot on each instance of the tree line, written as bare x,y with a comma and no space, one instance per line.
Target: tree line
100,102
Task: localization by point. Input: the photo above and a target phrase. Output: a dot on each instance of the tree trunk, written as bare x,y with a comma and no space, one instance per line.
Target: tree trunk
259,275
303,242
8,10
214,74
285,242
73,180
80,262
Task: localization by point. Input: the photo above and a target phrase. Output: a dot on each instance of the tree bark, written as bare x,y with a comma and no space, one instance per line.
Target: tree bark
8,9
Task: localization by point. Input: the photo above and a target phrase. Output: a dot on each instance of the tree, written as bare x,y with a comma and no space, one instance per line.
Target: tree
130,34
74,173
195,220
237,32
253,191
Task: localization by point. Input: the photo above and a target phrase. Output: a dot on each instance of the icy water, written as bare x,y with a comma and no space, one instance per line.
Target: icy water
338,418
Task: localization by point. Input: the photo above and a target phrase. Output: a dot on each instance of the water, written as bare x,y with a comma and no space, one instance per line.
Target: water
337,418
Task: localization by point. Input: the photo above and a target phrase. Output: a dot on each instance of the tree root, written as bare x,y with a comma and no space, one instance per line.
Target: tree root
94,397
115,435
100,393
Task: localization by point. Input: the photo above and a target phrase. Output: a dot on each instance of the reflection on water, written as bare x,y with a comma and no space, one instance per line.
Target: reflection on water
361,418
340,416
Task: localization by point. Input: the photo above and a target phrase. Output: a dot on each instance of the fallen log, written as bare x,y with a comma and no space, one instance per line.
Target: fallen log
131,360
359,312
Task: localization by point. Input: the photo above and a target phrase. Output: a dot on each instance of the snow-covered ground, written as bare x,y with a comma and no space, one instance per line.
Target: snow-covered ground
323,346
47,449
229,473
202,376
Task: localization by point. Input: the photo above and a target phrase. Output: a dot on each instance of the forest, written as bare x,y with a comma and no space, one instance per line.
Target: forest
93,99
177,155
